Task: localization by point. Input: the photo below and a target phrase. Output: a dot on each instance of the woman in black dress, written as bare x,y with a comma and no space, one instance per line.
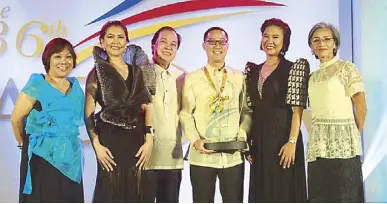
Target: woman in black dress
121,131
277,172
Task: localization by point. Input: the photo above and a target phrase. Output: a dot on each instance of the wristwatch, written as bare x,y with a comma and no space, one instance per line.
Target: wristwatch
292,140
149,130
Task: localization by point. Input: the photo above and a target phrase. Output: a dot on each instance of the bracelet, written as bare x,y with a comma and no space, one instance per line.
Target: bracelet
20,146
292,140
150,130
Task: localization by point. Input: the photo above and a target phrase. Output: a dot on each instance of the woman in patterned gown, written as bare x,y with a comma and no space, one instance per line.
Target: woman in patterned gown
277,171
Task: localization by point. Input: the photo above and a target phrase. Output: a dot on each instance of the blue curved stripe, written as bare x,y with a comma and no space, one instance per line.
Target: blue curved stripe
121,7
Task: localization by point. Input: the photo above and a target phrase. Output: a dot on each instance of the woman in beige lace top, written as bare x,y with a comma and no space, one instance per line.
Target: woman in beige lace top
338,109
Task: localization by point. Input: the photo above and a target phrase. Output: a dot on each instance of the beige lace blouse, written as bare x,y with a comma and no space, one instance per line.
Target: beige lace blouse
334,132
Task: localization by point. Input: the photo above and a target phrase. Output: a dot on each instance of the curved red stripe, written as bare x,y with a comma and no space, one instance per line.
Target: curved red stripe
183,7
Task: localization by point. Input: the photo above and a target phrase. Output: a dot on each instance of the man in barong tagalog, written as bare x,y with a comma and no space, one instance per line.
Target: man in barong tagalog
215,114
162,178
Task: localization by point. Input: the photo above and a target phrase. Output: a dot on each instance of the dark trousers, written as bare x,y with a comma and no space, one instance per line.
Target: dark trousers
203,180
161,185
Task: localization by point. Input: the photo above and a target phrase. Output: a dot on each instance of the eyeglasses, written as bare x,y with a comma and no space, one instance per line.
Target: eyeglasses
320,40
214,42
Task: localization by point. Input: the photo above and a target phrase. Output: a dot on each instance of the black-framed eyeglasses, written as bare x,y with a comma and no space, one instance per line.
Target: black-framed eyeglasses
320,40
214,42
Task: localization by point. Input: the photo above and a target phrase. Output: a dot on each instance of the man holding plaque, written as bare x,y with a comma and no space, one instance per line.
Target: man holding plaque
216,119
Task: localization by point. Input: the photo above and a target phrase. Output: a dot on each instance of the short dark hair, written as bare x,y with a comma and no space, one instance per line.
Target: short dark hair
109,24
54,46
157,34
212,29
286,29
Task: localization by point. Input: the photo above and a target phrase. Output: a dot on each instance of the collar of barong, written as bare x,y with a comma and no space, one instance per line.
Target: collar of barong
121,106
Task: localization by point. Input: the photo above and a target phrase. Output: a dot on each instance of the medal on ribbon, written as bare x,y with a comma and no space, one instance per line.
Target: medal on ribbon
217,100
